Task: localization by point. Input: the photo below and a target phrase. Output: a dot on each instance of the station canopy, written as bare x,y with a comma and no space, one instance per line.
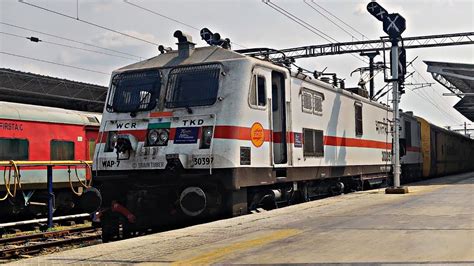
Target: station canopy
29,88
459,79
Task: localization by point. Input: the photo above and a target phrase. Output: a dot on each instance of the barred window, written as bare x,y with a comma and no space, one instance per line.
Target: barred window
318,104
193,86
307,102
312,102
313,143
13,149
358,119
62,150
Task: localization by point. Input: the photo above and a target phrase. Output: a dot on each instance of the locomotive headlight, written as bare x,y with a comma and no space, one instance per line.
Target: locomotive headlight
152,137
158,137
206,137
164,136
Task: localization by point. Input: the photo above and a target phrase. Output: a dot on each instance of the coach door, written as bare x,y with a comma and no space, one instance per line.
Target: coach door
280,151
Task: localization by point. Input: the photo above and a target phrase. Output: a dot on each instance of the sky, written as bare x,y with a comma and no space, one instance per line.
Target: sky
248,23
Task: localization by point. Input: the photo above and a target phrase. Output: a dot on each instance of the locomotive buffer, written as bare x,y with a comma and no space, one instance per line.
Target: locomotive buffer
394,25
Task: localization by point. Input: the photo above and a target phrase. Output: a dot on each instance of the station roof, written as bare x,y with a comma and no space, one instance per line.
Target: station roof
29,88
459,79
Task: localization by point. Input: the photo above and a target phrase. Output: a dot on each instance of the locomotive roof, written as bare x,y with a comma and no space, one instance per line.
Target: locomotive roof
208,54
27,112
199,55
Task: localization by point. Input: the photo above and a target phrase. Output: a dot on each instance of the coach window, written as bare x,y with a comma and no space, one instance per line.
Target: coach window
13,149
62,150
358,118
258,96
313,143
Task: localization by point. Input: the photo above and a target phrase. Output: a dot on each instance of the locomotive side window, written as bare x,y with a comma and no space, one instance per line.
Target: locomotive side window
312,102
13,149
318,104
358,119
193,86
408,133
257,91
62,150
307,102
135,91
313,143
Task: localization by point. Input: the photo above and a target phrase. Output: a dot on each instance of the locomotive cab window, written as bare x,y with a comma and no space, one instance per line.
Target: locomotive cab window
193,86
13,149
313,143
358,119
134,91
258,96
61,150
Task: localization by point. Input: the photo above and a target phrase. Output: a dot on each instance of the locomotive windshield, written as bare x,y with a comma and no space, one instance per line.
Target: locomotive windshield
193,86
135,91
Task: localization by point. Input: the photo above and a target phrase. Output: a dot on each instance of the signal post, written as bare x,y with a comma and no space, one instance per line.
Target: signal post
394,25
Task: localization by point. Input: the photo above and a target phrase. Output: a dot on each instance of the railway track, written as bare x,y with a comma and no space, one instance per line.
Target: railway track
25,245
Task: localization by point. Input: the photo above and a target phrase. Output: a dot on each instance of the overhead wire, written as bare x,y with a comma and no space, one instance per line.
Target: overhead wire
54,63
343,22
326,17
88,22
64,45
161,15
429,99
70,40
305,24
426,97
299,21
170,18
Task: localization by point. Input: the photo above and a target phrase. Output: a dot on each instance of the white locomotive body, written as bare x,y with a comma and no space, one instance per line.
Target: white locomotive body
213,131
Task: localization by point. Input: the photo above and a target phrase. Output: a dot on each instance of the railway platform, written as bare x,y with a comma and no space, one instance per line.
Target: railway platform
434,223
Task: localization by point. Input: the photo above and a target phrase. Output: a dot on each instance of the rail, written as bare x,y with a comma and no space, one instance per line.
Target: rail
15,166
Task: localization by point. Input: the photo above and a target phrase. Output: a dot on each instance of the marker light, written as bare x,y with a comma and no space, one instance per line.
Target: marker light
206,137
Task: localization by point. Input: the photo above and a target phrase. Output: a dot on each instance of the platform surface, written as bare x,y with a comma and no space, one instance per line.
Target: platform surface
434,223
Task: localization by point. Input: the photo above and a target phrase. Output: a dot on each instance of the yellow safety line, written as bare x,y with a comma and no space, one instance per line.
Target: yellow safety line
220,253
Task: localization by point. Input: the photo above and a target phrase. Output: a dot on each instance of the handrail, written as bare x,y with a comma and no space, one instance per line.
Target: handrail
45,163
49,174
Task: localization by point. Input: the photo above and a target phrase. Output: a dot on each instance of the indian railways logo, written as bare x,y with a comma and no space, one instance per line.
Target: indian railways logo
257,134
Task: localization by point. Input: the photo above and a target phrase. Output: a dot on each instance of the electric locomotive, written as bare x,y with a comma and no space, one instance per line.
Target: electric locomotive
203,132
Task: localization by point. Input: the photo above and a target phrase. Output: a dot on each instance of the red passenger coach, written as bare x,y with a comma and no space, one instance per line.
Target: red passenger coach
37,133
